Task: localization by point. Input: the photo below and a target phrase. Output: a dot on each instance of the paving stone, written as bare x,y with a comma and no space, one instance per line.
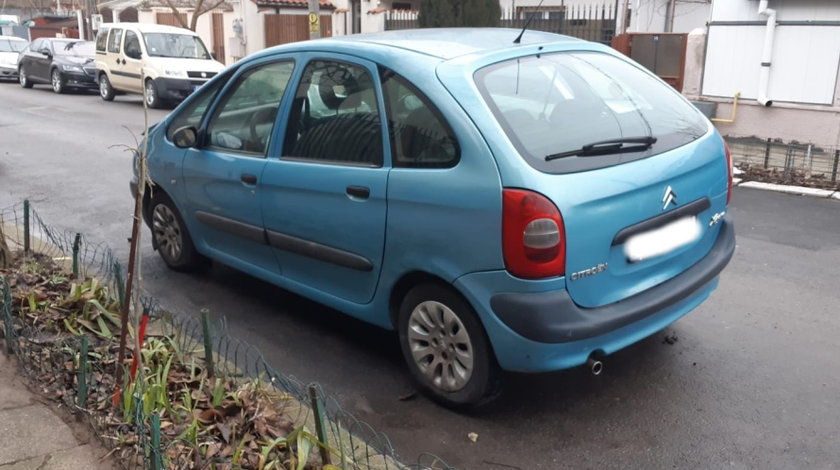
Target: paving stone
31,431
13,392
78,458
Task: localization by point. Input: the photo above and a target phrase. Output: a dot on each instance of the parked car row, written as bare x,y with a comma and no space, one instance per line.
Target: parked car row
164,63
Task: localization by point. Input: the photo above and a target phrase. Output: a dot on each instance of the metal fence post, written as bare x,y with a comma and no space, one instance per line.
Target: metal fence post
834,168
82,397
208,344
26,226
767,154
76,244
119,281
320,428
155,450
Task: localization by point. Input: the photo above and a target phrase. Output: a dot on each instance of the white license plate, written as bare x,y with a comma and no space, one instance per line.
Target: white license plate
662,240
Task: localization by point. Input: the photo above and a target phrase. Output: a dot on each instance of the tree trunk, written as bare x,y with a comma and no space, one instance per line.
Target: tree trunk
5,254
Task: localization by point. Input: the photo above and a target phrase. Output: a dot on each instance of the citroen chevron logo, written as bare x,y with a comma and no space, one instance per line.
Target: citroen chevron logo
669,198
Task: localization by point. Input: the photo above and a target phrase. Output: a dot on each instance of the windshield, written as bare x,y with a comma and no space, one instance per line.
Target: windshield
74,48
7,45
554,104
182,46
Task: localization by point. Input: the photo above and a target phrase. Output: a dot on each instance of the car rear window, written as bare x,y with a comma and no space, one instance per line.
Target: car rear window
550,104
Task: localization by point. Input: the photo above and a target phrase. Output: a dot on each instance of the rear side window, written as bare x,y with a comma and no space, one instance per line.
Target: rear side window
335,116
550,104
101,40
420,137
114,40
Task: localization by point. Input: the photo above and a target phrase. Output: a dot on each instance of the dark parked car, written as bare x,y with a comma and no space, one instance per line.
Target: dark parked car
63,63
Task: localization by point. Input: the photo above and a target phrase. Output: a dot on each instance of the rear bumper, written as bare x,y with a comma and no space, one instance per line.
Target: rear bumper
545,330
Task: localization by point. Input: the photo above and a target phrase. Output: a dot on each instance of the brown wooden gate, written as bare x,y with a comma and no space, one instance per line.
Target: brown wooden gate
169,19
219,37
283,29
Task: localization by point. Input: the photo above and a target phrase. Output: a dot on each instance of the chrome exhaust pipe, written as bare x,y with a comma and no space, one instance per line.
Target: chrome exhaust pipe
595,366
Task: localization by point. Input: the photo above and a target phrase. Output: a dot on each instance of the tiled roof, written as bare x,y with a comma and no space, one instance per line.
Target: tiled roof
294,3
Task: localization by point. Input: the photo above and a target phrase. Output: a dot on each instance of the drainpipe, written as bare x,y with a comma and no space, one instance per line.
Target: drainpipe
767,53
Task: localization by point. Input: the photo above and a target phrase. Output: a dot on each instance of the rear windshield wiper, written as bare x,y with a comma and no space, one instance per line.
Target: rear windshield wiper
607,147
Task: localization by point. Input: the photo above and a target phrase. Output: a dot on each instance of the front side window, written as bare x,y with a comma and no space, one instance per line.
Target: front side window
420,137
115,40
553,107
192,113
335,116
132,45
182,46
245,117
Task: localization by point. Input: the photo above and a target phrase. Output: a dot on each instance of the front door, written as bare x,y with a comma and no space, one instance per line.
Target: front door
222,176
324,198
132,63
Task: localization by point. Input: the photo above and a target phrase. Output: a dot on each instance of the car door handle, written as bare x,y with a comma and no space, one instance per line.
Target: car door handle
249,179
359,192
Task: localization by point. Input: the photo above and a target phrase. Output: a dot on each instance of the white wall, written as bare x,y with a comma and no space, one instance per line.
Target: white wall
805,62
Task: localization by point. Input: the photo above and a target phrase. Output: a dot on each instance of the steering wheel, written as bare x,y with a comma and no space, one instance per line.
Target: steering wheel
261,116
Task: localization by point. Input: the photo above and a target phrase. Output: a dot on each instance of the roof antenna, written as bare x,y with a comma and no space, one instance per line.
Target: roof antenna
519,38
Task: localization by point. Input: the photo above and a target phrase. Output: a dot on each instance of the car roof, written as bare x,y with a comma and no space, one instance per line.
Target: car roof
448,43
13,38
148,28
439,44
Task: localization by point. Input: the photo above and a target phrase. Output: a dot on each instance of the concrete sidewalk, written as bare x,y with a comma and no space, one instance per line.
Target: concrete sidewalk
33,436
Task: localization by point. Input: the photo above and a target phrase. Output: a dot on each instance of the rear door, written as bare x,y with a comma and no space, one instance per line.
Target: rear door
113,60
324,198
635,170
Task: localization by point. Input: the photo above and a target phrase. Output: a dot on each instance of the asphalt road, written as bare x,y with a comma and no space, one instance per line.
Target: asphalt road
751,379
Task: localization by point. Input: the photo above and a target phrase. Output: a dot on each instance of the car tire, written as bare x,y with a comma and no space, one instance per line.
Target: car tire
446,348
106,91
23,78
150,94
57,81
171,238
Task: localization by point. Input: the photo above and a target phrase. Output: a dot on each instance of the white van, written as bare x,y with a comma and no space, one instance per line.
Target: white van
167,62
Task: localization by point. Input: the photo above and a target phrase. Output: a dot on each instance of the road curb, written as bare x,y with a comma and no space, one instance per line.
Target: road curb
781,188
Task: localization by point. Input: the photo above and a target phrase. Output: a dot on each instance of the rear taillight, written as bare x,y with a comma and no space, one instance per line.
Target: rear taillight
533,236
729,168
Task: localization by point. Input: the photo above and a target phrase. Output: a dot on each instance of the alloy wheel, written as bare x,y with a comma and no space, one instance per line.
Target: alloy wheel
57,84
440,346
167,232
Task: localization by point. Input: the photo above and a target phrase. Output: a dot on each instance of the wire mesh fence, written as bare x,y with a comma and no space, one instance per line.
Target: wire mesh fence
200,397
786,163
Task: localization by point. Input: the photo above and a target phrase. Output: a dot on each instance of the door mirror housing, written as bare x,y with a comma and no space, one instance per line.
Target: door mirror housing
213,56
133,54
46,52
185,137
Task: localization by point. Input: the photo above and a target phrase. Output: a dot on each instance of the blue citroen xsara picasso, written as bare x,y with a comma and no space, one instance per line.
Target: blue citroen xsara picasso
525,206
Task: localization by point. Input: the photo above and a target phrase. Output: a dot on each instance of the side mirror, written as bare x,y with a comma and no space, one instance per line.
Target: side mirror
134,54
46,52
184,137
213,56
